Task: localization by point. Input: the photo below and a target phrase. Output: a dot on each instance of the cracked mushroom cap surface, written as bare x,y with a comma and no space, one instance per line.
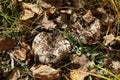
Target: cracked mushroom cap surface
50,47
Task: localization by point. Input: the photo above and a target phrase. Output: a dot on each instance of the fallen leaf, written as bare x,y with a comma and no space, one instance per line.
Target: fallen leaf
48,24
62,21
44,4
27,14
95,29
30,10
20,54
116,64
44,72
7,44
88,17
33,7
25,46
86,27
15,74
78,74
82,60
108,39
107,19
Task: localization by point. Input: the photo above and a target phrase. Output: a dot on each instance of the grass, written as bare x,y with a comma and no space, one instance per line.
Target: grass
9,14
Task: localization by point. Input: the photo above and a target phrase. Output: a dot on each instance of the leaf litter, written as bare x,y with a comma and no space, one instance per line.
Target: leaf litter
44,53
44,72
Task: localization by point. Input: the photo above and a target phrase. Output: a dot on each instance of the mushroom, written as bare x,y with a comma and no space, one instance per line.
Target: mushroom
50,47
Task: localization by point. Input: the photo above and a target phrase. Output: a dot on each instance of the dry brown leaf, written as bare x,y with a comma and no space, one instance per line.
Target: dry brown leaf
27,14
62,21
88,17
25,46
15,74
95,27
108,19
82,60
7,44
48,24
44,72
20,54
78,75
105,18
90,35
30,10
108,39
116,64
33,7
44,4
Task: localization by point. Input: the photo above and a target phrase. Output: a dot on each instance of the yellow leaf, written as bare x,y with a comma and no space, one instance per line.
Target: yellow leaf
27,14
78,75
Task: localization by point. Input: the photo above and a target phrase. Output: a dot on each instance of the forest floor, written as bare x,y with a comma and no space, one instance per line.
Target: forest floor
59,40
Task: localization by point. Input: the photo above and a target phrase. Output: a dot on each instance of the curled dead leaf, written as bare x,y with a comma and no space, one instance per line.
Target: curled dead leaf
88,17
30,10
20,54
15,74
44,72
48,24
33,7
108,19
95,27
88,36
108,39
7,44
27,14
25,46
